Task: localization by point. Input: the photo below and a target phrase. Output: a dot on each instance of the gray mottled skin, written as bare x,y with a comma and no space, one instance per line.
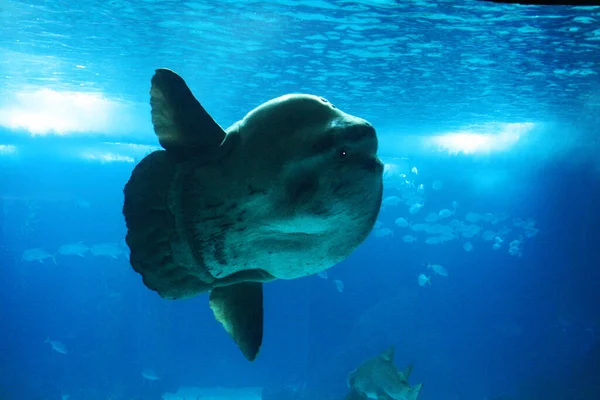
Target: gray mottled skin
288,191
295,187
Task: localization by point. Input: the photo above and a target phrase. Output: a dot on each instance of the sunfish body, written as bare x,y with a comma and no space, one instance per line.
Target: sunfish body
288,191
379,379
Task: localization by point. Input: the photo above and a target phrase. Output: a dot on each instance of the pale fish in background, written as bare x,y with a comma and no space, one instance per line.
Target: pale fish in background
391,201
382,232
468,246
323,275
530,232
37,254
424,280
73,249
409,239
488,235
472,217
339,285
150,375
445,213
378,224
415,208
433,240
57,346
414,170
437,185
419,227
401,222
438,269
518,222
432,217
496,246
107,249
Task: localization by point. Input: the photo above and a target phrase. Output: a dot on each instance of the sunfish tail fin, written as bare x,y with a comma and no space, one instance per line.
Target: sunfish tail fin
150,224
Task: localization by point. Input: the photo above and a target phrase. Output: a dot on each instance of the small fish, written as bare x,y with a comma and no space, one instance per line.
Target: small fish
323,275
488,235
496,246
57,346
339,285
73,249
514,243
438,269
409,239
107,249
468,246
432,217
445,213
382,232
531,232
472,217
433,240
421,189
37,254
446,237
514,251
415,208
150,375
424,280
414,170
401,222
437,185
518,222
391,201
419,227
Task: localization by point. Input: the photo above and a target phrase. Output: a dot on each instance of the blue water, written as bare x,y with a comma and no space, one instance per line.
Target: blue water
499,103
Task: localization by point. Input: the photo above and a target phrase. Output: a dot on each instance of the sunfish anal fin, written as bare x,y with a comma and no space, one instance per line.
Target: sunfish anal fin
239,308
180,121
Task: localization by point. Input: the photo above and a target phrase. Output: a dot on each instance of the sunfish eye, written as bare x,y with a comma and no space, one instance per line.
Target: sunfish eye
343,153
324,100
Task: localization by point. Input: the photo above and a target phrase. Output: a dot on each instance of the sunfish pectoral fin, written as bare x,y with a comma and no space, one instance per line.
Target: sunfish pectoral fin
414,392
355,395
180,122
381,395
239,308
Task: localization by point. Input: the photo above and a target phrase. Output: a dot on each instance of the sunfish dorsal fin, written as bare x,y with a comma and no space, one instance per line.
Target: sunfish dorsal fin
388,354
180,121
